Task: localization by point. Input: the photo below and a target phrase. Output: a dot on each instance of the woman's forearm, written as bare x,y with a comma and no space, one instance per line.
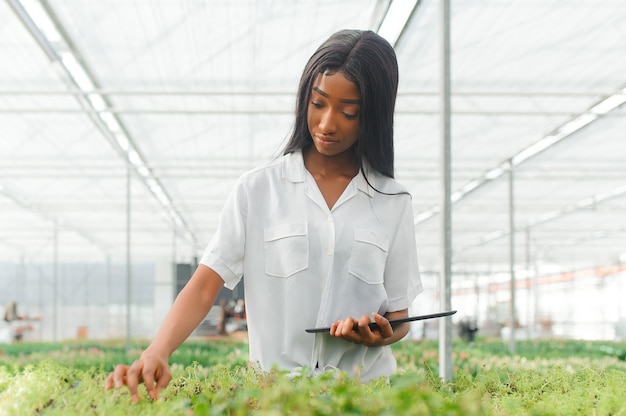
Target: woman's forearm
191,306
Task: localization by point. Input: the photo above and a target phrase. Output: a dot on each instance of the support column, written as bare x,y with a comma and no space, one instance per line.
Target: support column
445,324
55,285
512,317
128,259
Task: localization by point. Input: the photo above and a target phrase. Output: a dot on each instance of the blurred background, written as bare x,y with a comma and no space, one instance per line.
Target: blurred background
124,125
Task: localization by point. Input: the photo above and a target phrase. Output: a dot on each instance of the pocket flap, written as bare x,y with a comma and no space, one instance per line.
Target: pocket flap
371,237
285,230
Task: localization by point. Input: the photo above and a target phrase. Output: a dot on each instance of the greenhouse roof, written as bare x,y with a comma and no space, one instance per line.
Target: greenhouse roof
182,97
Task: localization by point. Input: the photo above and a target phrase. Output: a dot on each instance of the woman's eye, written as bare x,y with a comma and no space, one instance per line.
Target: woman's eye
316,104
350,116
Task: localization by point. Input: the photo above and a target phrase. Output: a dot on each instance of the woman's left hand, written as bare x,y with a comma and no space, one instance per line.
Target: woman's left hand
364,334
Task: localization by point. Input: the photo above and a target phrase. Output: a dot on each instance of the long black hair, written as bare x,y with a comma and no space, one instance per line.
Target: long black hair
369,61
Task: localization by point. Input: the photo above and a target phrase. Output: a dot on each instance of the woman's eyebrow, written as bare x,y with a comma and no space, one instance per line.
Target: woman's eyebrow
341,100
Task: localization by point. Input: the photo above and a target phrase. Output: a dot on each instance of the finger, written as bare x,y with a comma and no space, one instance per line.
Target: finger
366,333
335,329
346,327
132,379
386,330
364,320
108,383
163,380
363,324
119,375
348,331
148,374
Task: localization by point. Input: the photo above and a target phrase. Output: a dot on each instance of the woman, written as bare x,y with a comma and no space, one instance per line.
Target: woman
323,234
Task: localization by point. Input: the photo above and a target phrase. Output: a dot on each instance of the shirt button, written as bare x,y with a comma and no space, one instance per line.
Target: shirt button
329,219
329,252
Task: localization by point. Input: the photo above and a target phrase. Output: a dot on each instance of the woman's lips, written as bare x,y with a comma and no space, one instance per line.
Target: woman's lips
325,140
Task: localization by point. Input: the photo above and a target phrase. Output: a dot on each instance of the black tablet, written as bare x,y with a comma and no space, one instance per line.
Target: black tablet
373,325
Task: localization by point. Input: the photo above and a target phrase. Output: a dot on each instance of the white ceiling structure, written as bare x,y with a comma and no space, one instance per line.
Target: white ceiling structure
186,95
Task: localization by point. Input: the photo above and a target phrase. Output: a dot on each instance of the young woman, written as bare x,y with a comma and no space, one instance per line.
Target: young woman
323,234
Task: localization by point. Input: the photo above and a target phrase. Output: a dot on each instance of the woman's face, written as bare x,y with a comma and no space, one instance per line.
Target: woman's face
333,114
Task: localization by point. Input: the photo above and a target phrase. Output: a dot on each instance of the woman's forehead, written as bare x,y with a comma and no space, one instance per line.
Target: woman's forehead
336,85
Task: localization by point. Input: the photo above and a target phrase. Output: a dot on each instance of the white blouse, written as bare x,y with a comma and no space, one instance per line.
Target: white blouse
305,265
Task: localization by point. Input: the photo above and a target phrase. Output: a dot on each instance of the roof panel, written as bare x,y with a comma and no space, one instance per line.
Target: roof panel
206,91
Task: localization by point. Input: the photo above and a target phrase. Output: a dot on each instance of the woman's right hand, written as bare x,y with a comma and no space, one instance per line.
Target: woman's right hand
192,304
150,369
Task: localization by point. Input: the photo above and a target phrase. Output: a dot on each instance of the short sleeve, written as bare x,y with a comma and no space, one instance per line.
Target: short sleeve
402,277
225,251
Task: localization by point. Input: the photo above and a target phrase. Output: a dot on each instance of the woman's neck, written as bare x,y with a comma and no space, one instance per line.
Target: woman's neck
344,164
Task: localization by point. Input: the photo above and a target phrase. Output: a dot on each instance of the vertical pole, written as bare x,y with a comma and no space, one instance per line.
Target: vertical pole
42,304
85,316
55,284
128,259
445,324
478,297
109,297
529,288
174,263
512,320
536,293
20,284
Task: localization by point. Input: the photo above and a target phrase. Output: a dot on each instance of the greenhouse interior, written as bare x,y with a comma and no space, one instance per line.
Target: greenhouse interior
124,126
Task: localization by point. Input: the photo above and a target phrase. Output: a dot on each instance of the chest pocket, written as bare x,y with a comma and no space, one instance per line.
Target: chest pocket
286,249
369,255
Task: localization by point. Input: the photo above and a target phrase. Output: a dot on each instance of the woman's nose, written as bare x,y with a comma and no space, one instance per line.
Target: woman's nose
327,122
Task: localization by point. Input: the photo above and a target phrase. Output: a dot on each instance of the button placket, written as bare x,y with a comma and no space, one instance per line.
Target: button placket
330,251
331,240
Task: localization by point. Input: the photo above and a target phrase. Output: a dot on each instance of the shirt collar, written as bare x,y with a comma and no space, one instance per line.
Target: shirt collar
294,171
293,167
361,183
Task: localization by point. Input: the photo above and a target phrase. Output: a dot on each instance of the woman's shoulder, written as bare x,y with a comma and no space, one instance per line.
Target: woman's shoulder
271,169
384,184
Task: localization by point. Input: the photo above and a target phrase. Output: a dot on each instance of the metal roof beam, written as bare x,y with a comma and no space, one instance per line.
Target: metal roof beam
396,18
600,108
42,23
